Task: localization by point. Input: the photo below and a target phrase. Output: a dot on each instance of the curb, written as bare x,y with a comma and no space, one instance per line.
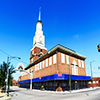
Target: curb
67,92
4,97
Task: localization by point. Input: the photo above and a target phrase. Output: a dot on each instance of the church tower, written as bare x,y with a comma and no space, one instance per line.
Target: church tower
38,41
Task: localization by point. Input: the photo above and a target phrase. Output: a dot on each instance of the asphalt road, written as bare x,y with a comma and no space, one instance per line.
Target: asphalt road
24,94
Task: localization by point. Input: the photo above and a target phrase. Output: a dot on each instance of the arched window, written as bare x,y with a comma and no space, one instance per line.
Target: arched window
74,68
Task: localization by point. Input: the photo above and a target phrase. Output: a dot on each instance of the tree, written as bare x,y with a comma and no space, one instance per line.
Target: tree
3,73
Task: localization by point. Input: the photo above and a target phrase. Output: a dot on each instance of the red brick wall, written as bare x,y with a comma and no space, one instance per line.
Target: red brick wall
56,68
95,79
64,68
37,51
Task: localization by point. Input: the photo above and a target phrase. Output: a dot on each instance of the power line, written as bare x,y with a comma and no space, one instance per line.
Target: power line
10,55
4,52
23,61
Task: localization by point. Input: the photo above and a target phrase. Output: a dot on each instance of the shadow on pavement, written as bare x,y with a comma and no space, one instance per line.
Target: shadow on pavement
1,96
13,90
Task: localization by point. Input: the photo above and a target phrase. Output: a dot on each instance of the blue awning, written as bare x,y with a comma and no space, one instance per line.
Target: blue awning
57,77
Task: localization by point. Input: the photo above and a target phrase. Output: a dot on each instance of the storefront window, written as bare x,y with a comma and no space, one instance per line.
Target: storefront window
50,83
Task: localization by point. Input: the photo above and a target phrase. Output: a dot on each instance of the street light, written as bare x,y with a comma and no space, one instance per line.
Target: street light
7,83
91,72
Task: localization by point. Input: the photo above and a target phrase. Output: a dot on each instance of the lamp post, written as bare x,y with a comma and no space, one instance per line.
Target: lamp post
8,71
69,71
31,81
69,78
91,72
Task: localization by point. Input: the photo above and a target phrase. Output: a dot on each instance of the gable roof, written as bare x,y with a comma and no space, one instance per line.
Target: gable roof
57,48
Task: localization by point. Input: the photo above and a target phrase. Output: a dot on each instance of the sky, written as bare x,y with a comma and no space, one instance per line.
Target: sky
72,23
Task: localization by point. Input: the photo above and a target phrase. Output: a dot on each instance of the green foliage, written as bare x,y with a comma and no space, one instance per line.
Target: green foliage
3,73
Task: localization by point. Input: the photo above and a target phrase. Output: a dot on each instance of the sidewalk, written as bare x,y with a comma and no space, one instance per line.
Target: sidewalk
84,90
73,91
3,96
62,92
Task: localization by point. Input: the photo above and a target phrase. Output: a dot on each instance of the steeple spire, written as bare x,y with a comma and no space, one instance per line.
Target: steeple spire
39,14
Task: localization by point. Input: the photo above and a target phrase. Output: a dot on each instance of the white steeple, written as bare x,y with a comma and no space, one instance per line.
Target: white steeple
39,39
39,14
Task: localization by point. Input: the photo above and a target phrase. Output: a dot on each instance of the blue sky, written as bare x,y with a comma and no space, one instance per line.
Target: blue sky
72,23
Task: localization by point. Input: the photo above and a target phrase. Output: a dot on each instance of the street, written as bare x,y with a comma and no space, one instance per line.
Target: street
24,94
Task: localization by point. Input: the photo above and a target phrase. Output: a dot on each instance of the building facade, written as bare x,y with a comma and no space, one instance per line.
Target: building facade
15,83
95,83
60,66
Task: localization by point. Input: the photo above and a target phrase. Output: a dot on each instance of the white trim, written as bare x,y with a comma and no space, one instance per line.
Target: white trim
42,64
54,59
50,61
79,62
38,66
39,46
67,59
62,58
82,64
47,62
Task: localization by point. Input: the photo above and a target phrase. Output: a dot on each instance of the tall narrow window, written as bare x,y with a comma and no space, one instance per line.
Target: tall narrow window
62,58
42,64
46,62
67,58
50,61
76,70
54,59
97,82
79,62
82,64
37,66
72,69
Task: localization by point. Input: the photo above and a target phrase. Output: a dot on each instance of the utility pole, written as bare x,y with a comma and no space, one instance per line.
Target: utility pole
31,81
91,72
69,78
69,73
70,70
7,86
8,72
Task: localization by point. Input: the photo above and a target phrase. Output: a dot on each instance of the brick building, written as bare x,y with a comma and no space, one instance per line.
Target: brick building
54,68
15,83
96,82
